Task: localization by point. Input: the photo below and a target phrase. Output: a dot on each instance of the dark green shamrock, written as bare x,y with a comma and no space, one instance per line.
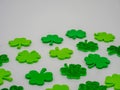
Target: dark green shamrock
3,59
14,87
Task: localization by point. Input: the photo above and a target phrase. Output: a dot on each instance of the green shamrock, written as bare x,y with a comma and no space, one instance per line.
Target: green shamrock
92,85
113,81
52,39
28,57
96,60
73,33
14,87
87,46
36,78
73,71
59,87
62,54
4,75
3,59
103,36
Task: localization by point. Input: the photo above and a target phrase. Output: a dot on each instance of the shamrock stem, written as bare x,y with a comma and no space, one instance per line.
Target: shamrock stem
66,65
92,65
51,43
8,78
19,46
43,70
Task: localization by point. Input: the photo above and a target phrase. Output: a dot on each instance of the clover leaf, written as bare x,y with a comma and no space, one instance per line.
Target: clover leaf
87,46
73,33
73,71
28,57
5,75
103,36
62,54
96,60
3,59
36,78
19,42
52,39
114,50
14,87
59,87
113,81
92,85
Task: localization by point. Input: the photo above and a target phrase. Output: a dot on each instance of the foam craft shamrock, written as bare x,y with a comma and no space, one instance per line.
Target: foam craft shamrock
87,46
19,42
28,57
3,59
103,36
92,85
5,75
73,71
52,39
36,78
59,87
113,81
73,33
14,87
62,54
113,50
96,60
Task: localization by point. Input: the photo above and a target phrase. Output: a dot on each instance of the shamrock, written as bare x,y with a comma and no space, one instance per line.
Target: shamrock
28,57
103,36
114,50
4,75
87,46
52,39
73,71
59,87
3,59
113,81
96,60
92,85
14,87
36,78
73,33
19,42
64,53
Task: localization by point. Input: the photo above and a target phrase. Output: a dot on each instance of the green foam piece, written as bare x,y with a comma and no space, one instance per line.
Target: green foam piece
14,87
28,57
3,59
38,78
19,42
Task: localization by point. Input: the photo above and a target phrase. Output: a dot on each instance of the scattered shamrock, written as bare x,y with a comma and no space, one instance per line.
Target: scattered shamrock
36,78
73,33
73,71
5,75
92,85
103,36
113,81
87,46
96,60
28,57
19,42
3,59
14,87
59,87
62,54
52,39
113,50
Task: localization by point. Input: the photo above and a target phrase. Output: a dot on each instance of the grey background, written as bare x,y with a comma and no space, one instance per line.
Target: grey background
35,18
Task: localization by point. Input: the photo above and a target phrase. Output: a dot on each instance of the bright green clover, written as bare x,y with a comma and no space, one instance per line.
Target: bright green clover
52,39
3,59
87,46
103,36
19,42
5,75
92,85
36,78
73,71
14,87
113,81
96,60
62,54
59,87
28,57
73,33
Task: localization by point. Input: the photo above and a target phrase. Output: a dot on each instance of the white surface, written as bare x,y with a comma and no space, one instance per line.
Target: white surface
35,18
